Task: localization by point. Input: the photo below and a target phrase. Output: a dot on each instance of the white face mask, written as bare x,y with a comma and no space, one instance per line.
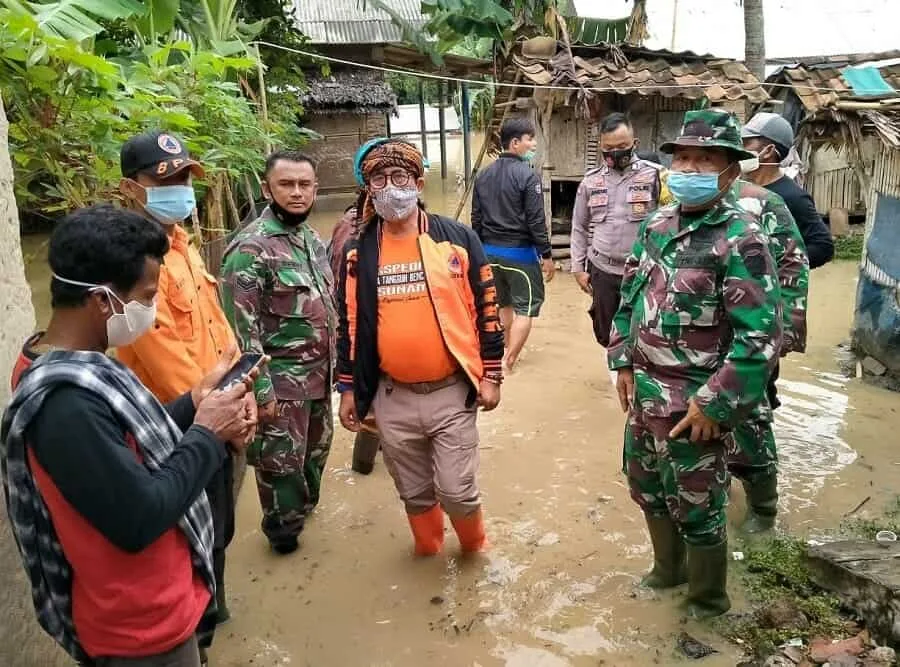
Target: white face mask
393,203
749,165
126,327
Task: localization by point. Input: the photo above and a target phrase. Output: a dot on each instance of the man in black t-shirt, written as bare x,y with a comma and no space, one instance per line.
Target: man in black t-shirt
770,136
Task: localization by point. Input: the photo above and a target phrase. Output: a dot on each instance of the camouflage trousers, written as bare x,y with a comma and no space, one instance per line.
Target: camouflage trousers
289,456
675,476
751,449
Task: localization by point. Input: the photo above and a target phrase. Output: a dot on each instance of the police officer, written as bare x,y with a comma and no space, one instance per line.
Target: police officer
694,340
277,292
611,201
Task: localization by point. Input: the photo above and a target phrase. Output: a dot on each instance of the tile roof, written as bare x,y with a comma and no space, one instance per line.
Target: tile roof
645,72
820,86
346,22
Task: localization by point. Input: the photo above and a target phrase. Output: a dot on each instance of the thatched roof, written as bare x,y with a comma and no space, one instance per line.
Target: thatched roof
348,92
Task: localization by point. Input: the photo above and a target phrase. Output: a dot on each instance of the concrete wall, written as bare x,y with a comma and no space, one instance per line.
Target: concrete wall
22,642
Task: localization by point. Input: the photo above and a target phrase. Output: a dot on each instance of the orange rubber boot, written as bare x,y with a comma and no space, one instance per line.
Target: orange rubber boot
470,531
428,531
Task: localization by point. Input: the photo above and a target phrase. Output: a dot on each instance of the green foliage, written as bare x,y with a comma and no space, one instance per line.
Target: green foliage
868,528
849,247
451,22
70,111
74,19
284,70
407,89
776,571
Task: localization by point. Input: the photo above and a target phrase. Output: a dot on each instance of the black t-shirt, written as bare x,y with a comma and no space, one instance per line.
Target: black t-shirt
815,233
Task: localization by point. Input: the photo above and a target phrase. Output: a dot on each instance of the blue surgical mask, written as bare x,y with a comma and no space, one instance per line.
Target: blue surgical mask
170,204
529,156
694,189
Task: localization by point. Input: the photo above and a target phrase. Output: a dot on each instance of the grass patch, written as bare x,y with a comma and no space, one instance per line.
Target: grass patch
867,528
849,247
776,571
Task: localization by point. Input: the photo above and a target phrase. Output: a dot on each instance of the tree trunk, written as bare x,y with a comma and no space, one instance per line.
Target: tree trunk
22,642
755,38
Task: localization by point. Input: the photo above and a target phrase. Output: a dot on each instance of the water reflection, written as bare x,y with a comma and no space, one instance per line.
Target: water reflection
808,428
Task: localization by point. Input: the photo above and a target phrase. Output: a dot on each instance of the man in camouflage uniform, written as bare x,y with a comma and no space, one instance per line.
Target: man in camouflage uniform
694,340
278,297
752,455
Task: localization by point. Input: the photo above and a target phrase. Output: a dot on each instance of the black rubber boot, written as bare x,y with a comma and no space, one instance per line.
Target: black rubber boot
365,449
707,579
669,567
762,502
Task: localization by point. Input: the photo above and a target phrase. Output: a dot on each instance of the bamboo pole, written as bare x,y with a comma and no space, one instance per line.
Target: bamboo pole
263,99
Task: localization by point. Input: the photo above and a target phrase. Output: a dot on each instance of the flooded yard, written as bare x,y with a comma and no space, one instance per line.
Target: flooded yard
558,589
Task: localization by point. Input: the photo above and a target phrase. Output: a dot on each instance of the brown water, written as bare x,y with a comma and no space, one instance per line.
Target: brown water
558,587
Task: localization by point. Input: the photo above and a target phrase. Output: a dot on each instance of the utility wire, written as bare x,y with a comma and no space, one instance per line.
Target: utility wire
532,86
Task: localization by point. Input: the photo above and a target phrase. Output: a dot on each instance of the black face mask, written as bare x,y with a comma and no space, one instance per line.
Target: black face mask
619,158
286,217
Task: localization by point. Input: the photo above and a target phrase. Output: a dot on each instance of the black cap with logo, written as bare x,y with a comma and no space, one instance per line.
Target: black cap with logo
157,153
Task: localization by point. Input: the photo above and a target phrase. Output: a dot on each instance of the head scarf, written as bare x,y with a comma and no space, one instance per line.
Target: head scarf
391,153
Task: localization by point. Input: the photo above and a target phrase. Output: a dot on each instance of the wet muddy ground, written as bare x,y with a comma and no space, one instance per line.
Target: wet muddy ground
558,588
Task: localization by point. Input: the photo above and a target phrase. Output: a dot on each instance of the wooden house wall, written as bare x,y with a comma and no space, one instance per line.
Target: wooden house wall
342,134
833,182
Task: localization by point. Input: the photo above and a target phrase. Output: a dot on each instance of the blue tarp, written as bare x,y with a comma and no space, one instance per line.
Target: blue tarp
883,247
867,82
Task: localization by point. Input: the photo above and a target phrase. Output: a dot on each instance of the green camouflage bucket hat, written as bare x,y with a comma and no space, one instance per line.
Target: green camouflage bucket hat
710,128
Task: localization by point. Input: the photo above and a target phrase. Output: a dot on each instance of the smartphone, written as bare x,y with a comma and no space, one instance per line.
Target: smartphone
244,365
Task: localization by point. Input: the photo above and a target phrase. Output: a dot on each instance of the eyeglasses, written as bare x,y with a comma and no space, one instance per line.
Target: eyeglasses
398,179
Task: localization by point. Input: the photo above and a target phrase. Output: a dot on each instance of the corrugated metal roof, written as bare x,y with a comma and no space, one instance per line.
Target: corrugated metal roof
346,22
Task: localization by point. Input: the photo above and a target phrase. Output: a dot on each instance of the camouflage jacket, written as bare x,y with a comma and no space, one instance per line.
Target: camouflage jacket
700,315
789,252
277,295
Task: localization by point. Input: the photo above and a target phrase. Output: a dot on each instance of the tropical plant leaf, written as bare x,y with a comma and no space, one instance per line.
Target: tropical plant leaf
159,18
74,19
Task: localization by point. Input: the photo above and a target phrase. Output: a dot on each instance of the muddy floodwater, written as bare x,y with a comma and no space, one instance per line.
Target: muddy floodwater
558,588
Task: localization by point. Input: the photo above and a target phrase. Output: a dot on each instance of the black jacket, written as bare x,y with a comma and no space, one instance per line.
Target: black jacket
815,233
508,206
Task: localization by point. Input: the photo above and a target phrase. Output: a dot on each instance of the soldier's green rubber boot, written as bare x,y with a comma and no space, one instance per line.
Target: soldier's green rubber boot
707,578
669,566
762,503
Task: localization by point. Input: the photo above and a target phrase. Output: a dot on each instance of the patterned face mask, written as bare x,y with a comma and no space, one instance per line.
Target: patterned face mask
393,203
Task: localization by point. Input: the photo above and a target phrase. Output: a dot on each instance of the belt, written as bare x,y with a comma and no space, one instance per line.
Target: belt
606,259
425,387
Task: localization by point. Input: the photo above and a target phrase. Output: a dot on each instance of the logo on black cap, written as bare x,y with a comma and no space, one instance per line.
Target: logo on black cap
169,144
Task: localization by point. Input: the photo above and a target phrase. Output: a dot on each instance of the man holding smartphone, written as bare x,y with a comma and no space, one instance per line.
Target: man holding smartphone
277,290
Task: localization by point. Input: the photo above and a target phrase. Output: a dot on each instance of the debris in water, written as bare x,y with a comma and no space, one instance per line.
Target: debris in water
437,599
604,499
692,648
858,507
385,622
873,366
548,540
737,555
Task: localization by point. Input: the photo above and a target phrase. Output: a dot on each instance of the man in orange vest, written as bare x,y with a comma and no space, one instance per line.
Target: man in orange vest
190,333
